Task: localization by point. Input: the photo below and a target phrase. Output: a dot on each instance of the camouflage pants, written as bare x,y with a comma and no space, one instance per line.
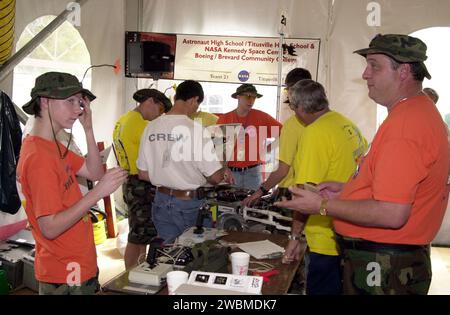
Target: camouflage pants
88,287
385,272
138,195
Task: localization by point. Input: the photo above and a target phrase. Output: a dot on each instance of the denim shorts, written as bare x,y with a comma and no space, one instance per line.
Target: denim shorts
172,216
248,179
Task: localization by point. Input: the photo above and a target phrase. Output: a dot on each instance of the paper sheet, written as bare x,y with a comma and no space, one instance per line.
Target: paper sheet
261,249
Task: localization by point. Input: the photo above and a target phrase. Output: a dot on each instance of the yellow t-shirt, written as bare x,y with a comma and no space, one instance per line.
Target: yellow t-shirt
206,119
289,139
328,151
126,138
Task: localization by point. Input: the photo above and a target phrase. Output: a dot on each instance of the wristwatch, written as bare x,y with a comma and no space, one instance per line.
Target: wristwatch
293,237
323,210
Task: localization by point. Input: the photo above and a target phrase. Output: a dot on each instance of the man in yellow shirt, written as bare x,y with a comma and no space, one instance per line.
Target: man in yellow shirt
137,194
328,150
289,138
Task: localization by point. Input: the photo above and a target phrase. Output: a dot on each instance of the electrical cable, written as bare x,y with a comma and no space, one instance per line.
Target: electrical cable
97,66
140,257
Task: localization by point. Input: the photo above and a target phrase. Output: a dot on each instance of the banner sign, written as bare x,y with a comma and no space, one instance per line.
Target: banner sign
242,59
224,59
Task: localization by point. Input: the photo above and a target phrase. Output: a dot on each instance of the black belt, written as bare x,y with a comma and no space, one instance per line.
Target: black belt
242,169
363,245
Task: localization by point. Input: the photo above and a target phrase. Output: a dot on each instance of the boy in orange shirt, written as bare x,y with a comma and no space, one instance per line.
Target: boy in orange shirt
65,261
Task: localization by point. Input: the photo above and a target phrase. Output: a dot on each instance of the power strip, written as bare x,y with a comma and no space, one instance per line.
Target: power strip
143,274
216,283
189,238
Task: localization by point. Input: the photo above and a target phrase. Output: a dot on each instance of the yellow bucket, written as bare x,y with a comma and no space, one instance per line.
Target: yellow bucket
99,228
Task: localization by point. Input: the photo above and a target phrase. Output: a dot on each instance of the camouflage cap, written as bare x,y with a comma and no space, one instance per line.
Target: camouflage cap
56,85
402,48
246,88
142,95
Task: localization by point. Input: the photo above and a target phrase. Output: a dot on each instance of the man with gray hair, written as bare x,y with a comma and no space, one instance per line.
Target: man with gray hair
328,150
387,214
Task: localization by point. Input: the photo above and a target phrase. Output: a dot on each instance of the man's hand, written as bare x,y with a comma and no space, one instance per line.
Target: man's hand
228,176
85,117
330,190
292,252
109,183
247,202
303,201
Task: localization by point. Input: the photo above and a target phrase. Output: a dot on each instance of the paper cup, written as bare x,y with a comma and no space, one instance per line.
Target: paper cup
239,263
175,279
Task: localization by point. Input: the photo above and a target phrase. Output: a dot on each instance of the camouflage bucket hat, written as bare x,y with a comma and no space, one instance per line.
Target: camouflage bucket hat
56,85
402,48
142,95
246,88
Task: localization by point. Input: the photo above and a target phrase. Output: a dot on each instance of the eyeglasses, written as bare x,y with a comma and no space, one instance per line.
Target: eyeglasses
249,96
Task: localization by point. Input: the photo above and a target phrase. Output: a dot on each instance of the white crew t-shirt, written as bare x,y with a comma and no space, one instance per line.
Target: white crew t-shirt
177,153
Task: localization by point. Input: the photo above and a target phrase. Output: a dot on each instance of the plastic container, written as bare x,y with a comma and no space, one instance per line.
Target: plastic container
99,228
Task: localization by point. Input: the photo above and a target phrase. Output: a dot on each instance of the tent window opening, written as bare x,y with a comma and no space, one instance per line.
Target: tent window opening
63,51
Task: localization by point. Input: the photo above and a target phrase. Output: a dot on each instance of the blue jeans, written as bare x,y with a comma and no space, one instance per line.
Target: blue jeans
172,216
323,274
249,179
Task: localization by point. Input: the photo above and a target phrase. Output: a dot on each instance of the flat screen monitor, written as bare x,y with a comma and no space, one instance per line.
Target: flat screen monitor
149,55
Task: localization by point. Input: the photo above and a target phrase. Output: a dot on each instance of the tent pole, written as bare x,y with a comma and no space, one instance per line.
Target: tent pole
280,63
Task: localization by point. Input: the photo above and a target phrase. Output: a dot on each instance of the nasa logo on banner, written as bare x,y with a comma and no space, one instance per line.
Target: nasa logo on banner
243,76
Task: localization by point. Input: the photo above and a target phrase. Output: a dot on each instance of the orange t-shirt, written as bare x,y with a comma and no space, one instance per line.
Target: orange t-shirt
250,148
408,163
49,186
